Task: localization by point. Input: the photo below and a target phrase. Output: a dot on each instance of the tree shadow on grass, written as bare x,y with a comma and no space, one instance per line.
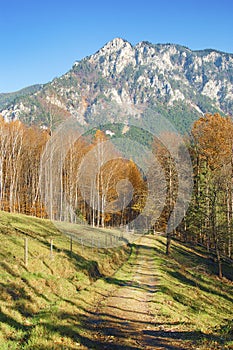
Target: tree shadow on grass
4,318
196,279
114,336
192,281
198,256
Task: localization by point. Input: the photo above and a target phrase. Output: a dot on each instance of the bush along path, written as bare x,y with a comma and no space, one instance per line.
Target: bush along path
141,312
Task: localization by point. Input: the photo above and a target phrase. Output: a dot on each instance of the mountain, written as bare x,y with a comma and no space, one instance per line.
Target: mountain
170,79
7,99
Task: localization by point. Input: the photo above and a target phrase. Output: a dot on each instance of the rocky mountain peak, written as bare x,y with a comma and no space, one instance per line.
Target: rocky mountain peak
114,56
180,83
116,44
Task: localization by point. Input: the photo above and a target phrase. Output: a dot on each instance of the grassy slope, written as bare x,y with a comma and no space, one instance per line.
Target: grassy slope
44,305
191,301
39,303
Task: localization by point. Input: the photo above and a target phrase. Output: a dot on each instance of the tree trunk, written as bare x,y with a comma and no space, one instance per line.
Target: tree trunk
219,261
168,244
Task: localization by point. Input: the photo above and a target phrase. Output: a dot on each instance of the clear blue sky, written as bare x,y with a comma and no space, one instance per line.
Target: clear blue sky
41,39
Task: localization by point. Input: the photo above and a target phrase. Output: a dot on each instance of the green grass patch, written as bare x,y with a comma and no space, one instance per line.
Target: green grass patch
42,304
190,297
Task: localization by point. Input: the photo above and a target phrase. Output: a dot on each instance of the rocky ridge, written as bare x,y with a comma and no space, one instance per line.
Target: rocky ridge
171,79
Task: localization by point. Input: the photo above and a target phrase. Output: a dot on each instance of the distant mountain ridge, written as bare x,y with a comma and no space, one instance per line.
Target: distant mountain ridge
10,97
173,80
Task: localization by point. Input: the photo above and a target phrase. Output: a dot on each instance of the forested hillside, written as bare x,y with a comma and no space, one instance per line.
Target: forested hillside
208,220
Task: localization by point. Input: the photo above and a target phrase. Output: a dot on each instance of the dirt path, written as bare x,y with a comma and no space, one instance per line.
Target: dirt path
123,320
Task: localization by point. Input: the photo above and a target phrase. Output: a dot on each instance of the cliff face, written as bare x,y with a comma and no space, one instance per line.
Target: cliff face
179,83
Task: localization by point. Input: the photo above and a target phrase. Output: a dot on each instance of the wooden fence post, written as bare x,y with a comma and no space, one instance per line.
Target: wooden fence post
51,248
26,251
71,245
